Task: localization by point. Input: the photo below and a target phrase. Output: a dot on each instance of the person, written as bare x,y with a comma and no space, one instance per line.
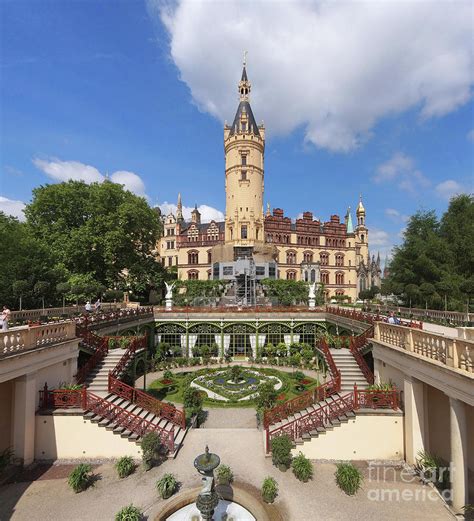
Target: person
97,305
392,319
4,317
88,307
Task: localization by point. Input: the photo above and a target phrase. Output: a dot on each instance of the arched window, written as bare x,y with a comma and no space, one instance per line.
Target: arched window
193,275
324,258
291,275
193,257
339,278
308,256
209,257
325,277
291,257
339,259
313,275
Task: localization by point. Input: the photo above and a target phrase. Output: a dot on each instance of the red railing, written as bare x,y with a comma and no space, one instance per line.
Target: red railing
147,402
326,412
370,318
61,398
355,346
285,410
238,309
99,354
101,319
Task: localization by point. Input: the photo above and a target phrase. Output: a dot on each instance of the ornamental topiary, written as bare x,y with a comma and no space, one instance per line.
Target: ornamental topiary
150,445
224,474
129,513
302,467
281,451
348,477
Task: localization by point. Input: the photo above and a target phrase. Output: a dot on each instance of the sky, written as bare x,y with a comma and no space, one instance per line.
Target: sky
358,98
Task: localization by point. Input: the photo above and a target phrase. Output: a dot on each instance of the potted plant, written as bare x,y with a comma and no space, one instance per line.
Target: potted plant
302,467
281,452
269,489
167,486
224,475
150,445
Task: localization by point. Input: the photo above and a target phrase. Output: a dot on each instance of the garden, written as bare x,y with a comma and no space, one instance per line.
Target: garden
233,386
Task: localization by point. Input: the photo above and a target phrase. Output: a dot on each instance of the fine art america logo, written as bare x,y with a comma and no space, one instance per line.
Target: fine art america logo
404,483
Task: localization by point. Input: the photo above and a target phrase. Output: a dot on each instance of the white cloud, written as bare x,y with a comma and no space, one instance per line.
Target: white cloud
378,237
333,68
208,213
12,207
400,171
470,135
395,215
66,170
448,189
131,181
77,171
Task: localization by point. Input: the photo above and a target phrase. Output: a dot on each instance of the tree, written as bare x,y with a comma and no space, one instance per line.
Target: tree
41,289
286,292
99,229
19,287
266,395
62,288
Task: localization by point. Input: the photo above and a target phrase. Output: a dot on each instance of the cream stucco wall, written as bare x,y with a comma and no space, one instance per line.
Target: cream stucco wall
437,434
70,436
366,437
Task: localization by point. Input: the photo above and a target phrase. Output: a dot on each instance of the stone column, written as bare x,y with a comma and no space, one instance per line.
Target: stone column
458,433
377,366
414,418
24,408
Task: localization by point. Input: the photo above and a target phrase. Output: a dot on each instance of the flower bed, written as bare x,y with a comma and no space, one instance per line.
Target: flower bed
221,385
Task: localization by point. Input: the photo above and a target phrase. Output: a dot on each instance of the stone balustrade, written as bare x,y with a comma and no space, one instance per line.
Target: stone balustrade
453,352
17,341
35,315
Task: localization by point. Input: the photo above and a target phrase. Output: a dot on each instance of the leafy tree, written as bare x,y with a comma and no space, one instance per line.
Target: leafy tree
436,259
286,292
19,288
23,258
62,288
41,289
101,230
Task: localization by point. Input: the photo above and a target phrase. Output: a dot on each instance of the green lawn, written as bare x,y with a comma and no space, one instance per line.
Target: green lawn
173,391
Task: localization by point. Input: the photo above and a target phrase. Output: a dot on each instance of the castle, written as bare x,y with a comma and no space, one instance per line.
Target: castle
250,244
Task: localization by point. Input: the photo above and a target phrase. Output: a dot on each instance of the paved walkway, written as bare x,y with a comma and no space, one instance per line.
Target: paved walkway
230,418
242,449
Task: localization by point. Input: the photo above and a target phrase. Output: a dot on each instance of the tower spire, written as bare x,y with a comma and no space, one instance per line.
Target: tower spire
179,209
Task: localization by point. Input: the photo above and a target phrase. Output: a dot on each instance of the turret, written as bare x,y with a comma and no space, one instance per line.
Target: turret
196,215
244,146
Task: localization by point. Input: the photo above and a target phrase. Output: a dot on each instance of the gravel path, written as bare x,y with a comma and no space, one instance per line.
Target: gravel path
230,418
242,449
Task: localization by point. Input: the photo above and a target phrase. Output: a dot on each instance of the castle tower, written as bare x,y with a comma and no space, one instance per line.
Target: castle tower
362,236
244,146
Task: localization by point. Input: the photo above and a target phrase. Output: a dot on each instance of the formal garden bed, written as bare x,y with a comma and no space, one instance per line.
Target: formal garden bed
230,386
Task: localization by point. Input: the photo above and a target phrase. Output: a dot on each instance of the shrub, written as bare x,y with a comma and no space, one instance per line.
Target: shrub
432,469
128,513
299,376
80,478
224,475
266,395
125,466
281,451
167,486
167,375
192,400
150,445
236,372
302,467
269,489
348,477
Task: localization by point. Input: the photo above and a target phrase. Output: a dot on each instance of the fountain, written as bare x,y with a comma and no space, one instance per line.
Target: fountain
209,506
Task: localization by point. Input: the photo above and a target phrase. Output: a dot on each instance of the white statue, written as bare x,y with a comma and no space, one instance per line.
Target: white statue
169,290
312,290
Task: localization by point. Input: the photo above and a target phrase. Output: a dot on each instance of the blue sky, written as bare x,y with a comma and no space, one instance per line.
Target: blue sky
140,90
